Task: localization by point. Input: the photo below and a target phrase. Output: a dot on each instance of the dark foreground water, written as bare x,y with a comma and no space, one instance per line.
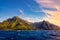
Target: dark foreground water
30,35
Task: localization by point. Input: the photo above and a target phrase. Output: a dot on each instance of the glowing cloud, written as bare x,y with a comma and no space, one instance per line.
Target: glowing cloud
52,16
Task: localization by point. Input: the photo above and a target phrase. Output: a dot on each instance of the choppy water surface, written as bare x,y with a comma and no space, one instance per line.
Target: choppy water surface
30,35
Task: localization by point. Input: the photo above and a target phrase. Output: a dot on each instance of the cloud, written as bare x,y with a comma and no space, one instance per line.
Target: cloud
21,11
52,14
32,7
4,18
29,19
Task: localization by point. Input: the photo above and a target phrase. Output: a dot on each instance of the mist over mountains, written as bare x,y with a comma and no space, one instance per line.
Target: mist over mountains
17,23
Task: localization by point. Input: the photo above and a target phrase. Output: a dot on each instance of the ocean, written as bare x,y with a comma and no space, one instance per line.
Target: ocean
29,34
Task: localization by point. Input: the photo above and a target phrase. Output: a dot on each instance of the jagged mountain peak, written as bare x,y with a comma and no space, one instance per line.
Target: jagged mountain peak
16,17
45,22
45,25
15,23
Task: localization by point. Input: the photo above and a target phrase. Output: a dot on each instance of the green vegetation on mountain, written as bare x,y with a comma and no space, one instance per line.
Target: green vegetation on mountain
15,23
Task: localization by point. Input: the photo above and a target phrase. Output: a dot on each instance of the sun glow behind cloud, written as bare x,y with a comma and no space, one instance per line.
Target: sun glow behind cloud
52,16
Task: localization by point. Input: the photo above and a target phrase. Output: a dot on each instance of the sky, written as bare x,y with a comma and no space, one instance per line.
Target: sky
31,10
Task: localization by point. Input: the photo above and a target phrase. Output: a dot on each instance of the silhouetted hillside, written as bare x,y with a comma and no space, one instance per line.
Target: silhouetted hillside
15,23
45,25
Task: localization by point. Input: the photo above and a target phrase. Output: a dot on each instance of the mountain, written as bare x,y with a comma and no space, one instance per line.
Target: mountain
45,25
15,23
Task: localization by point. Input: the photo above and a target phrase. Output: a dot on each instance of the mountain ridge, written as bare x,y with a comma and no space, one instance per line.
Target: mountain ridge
46,25
16,23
